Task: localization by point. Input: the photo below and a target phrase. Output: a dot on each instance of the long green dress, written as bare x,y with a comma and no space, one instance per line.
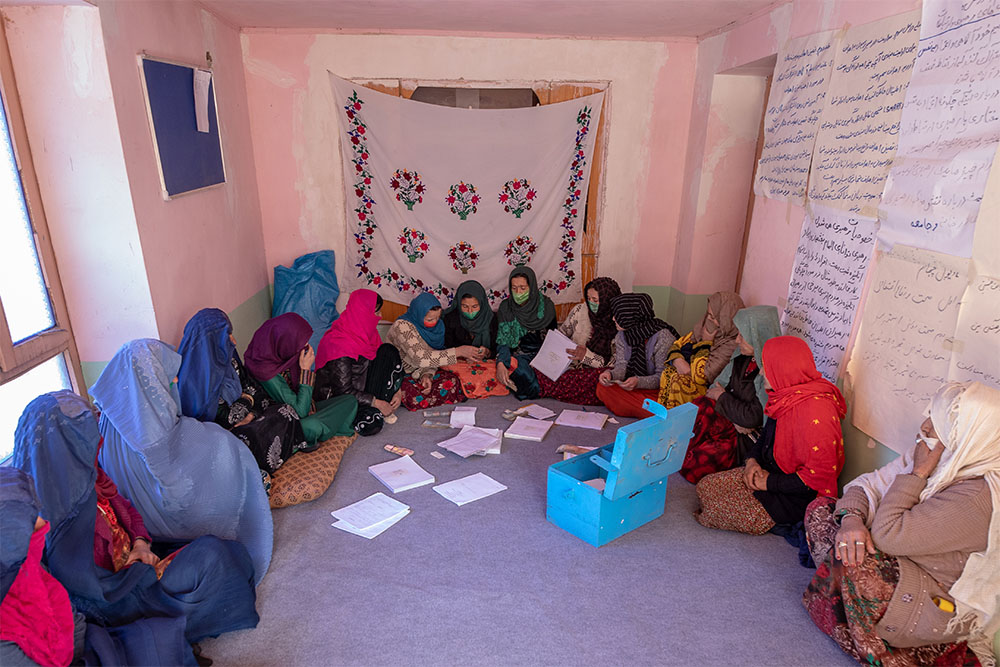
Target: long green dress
333,417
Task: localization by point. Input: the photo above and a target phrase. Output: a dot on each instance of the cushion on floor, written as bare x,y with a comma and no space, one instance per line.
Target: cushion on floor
307,476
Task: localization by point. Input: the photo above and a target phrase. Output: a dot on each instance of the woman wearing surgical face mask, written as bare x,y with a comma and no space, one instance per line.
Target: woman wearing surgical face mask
470,321
909,558
525,317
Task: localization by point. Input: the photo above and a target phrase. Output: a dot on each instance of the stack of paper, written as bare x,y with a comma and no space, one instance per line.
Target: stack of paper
553,359
467,489
474,440
581,419
463,416
370,517
401,474
525,428
536,411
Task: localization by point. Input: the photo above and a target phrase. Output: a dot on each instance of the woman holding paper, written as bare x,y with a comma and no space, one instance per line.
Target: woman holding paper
418,334
470,321
591,327
698,357
640,349
524,317
731,413
908,558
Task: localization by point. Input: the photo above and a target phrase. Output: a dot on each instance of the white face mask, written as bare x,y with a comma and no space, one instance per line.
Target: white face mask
930,442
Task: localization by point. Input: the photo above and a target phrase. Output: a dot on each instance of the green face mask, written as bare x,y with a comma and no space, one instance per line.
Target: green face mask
469,316
522,298
593,306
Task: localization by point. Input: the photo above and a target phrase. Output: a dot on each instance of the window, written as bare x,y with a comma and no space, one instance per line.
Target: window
37,351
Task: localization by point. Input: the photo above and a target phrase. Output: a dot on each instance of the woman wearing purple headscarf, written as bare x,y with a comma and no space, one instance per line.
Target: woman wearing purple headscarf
280,358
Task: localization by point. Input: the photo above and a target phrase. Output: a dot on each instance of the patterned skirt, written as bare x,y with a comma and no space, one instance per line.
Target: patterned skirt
445,388
728,504
677,389
713,446
479,378
847,602
577,385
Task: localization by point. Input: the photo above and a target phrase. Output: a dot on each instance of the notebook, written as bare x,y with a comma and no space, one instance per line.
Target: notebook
536,411
552,359
473,440
463,416
581,419
526,428
401,474
372,531
370,513
468,489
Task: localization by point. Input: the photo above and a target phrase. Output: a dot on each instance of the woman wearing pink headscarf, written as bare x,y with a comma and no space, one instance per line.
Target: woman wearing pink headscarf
352,359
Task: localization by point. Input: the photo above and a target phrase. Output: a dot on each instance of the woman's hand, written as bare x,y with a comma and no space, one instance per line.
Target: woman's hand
758,481
629,384
503,374
925,460
382,406
397,400
853,540
749,469
306,358
604,378
682,367
140,553
469,352
577,353
425,381
715,391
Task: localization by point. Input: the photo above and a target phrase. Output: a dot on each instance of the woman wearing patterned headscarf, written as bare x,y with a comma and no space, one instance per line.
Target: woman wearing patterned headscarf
280,357
524,318
592,328
640,350
908,558
732,411
470,321
418,334
697,358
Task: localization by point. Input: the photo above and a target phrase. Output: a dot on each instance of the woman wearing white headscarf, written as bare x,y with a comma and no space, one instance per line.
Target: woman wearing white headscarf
909,559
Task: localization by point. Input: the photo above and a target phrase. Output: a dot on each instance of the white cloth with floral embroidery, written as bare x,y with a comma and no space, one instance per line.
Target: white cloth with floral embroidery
438,195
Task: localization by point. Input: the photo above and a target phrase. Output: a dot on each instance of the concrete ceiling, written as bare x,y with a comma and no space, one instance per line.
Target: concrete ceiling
621,19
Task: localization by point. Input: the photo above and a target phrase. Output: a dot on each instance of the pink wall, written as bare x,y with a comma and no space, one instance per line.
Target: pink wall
203,249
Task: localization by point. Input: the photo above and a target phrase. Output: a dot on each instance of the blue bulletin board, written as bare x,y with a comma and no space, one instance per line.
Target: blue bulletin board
188,160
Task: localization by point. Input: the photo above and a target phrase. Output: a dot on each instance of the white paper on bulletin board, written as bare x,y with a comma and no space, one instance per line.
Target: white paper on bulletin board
903,350
856,139
798,95
949,129
976,353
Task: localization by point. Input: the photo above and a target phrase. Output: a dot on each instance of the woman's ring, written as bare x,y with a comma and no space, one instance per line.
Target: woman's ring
859,542
841,544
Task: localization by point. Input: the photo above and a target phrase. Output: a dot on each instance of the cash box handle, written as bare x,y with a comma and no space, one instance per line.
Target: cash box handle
670,449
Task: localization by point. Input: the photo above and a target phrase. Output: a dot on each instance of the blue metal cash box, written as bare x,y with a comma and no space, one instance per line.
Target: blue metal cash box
634,470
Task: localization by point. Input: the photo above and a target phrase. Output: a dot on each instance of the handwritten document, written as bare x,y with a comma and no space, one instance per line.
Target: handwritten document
976,353
904,347
949,129
798,95
860,121
827,278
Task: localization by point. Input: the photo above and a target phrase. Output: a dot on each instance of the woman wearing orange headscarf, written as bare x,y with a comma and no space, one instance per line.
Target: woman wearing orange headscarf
797,457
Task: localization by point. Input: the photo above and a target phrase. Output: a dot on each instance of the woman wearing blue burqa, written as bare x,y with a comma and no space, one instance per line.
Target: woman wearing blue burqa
206,587
185,477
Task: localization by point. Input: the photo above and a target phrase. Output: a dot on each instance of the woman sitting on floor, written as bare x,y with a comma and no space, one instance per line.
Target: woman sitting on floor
797,456
215,386
525,316
698,357
280,358
418,334
470,321
592,328
911,575
731,412
640,350
98,547
353,360
185,477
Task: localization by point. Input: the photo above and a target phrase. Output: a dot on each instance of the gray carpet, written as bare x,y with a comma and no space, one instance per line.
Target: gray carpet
493,583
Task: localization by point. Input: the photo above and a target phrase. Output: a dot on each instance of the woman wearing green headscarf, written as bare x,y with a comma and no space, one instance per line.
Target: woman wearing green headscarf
524,318
469,320
730,414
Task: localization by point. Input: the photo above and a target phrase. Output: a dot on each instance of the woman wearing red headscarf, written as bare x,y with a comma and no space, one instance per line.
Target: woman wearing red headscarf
797,456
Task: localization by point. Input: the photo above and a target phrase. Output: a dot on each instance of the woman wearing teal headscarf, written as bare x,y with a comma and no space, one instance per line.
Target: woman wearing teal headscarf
524,319
731,413
470,321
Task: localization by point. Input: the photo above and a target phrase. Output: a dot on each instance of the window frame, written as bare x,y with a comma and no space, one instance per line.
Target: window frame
16,359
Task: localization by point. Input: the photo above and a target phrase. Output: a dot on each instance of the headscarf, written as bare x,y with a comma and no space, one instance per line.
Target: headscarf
35,612
808,409
966,417
634,314
535,314
724,305
185,477
603,329
757,324
207,373
422,304
275,348
355,333
478,326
